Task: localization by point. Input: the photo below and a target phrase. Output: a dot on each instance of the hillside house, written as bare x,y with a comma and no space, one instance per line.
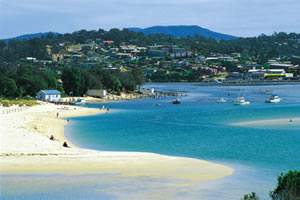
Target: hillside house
57,57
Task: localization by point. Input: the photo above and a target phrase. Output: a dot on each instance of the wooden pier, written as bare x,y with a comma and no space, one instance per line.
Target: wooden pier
164,94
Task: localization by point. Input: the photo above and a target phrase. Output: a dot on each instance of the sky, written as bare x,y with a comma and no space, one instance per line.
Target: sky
244,18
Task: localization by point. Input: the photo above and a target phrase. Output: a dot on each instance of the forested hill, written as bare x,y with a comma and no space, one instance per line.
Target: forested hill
31,36
182,31
259,48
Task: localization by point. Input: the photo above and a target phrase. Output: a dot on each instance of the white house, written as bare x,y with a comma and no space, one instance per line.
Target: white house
49,95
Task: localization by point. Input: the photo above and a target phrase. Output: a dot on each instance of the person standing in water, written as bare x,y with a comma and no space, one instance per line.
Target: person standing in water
107,108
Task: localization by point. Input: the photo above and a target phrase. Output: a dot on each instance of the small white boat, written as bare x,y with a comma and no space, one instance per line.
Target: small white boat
176,101
80,101
274,99
222,100
240,101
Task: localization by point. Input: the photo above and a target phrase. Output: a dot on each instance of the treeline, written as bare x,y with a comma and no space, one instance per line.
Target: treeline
17,80
177,76
15,50
25,79
77,81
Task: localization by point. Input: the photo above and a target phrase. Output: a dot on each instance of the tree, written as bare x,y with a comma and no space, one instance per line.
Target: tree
71,81
266,65
8,87
273,53
95,83
36,48
30,79
139,76
127,81
230,66
75,81
251,196
288,187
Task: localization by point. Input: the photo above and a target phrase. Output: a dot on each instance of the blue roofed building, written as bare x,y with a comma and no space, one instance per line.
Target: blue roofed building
49,95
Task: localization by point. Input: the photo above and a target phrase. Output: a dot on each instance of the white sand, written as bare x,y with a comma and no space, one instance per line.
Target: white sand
26,149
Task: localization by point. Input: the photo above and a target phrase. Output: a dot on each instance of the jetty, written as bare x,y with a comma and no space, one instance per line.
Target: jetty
164,94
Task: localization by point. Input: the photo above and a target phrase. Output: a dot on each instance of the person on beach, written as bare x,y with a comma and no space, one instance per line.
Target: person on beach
57,115
65,144
52,137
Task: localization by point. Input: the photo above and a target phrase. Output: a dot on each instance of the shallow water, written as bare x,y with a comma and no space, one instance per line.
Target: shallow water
199,128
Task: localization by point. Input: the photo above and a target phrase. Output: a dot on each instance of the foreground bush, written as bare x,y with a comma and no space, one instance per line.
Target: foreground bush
251,196
288,187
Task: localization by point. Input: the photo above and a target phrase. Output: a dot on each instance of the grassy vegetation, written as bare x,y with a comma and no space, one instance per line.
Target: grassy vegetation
222,75
78,47
19,102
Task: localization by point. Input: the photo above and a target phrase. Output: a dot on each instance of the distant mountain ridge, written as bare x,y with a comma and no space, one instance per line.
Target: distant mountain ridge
31,36
182,31
177,31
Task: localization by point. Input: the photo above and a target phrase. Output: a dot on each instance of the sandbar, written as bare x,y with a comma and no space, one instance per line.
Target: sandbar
26,148
269,122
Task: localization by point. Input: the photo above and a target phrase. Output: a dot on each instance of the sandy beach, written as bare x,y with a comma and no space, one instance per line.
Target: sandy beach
26,148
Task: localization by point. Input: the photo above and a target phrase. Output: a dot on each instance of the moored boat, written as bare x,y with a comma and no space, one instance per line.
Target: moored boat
240,101
176,101
274,99
80,101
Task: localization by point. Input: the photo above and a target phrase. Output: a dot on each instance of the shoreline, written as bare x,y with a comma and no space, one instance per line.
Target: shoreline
27,149
109,98
233,84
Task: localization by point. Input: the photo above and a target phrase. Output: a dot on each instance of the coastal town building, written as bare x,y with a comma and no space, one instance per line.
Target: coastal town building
97,93
49,95
57,57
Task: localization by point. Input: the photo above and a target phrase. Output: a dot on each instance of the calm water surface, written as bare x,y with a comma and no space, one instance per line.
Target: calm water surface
199,128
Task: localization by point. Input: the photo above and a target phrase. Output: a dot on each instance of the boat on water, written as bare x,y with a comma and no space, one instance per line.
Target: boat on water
273,99
80,101
176,101
222,100
240,101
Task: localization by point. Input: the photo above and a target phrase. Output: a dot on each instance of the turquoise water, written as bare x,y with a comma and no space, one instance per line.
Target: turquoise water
199,128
